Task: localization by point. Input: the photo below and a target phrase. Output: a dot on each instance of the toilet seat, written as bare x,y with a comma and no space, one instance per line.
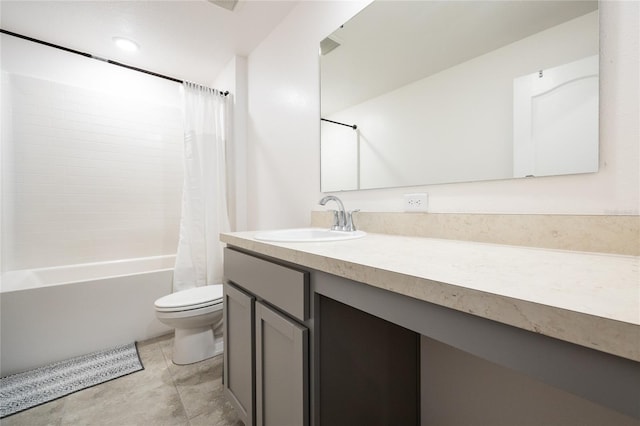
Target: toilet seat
193,298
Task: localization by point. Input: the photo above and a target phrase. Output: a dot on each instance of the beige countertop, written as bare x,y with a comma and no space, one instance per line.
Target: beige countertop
590,299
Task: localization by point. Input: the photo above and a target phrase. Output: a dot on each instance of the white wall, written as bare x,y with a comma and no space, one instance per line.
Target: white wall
92,169
283,160
284,115
234,79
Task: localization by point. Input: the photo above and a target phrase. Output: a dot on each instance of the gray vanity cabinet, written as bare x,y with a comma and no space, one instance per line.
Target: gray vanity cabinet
266,364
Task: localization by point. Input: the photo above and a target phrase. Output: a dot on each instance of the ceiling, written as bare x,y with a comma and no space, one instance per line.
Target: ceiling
185,39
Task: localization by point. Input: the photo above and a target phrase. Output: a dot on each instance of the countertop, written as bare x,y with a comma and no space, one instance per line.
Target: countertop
590,299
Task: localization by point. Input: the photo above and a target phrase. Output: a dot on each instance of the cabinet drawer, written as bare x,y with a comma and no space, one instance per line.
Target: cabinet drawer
283,287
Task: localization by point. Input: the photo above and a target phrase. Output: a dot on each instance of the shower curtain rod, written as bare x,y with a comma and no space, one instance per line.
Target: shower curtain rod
353,126
88,55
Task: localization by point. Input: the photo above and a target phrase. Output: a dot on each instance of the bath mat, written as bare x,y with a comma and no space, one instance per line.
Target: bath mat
21,391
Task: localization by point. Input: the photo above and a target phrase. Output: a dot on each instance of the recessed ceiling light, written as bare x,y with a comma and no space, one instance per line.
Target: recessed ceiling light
126,44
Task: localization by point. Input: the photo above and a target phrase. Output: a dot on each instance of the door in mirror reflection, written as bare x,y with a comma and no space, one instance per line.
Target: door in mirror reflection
555,120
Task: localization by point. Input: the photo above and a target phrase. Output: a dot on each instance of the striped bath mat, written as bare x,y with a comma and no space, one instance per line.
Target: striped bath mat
25,390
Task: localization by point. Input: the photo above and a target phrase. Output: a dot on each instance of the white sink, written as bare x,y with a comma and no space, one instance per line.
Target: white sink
307,235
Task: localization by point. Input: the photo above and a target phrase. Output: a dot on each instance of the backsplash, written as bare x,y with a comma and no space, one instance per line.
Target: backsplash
603,234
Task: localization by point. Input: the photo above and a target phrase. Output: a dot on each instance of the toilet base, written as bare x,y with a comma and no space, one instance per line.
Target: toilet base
195,344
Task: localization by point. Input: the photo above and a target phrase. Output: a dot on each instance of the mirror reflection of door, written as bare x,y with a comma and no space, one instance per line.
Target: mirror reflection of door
556,120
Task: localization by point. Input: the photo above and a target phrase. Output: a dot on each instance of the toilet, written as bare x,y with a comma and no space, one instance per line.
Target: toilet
196,316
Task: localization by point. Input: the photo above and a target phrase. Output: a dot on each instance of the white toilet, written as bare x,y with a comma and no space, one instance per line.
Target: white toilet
196,315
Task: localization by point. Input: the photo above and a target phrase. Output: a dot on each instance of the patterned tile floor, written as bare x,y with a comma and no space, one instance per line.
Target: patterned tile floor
162,394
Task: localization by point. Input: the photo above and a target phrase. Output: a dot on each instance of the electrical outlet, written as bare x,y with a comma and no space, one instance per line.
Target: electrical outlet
415,202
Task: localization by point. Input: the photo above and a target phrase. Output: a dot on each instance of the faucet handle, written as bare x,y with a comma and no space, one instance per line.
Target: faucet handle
350,226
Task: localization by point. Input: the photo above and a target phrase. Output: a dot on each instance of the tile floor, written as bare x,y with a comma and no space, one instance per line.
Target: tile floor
162,394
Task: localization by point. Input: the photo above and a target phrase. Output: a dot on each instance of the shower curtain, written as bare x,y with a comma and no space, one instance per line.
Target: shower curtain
204,196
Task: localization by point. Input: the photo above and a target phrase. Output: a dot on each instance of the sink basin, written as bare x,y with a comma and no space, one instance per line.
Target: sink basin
307,235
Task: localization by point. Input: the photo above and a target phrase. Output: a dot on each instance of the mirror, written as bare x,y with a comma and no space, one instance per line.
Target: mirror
459,91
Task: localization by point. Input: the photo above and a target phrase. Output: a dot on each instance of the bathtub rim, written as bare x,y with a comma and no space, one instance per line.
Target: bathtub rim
11,281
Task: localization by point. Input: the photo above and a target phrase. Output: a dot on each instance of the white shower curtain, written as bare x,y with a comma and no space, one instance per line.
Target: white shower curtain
204,197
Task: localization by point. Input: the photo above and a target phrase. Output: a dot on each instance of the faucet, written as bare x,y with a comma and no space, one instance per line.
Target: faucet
342,220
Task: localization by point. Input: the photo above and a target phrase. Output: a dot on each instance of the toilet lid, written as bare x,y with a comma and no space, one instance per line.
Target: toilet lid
191,298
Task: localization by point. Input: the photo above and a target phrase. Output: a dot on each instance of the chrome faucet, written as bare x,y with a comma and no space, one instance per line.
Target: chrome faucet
342,219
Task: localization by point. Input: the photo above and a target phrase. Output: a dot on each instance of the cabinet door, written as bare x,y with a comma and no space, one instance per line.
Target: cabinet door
281,370
238,351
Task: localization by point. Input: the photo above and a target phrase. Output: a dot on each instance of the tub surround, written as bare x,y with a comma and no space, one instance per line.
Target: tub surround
589,299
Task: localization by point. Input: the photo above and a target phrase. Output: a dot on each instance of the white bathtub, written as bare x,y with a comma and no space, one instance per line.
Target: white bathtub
51,314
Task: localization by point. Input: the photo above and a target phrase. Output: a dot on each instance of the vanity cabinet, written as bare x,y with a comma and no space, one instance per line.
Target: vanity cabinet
374,349
266,362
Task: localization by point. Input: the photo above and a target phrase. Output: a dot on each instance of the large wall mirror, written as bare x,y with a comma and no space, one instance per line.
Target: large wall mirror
426,92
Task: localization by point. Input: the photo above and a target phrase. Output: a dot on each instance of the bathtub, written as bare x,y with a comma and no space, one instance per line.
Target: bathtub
52,314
